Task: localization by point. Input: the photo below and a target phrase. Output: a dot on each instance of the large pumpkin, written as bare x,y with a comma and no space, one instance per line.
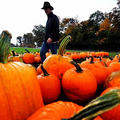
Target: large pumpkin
58,64
71,111
20,94
79,85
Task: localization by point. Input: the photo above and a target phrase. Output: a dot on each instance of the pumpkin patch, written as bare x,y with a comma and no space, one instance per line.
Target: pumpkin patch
66,86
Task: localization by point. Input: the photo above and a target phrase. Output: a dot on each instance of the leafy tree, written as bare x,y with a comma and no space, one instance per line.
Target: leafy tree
28,40
105,25
97,17
114,17
39,33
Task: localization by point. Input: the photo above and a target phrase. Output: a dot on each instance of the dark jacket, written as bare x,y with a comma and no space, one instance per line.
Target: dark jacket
52,28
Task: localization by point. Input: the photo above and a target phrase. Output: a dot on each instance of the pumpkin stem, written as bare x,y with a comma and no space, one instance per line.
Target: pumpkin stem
105,64
91,61
27,50
63,45
100,59
4,46
13,52
44,71
98,106
78,68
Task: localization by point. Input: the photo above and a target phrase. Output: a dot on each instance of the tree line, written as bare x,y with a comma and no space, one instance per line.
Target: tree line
100,32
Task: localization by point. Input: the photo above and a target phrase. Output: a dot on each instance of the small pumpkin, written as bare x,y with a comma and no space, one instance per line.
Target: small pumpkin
37,58
20,94
28,57
15,58
50,86
78,84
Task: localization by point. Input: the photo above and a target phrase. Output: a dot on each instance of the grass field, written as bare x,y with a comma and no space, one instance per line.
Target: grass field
21,50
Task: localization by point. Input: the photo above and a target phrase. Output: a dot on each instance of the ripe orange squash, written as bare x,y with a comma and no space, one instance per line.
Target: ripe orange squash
71,111
56,111
58,64
28,58
79,85
115,66
37,58
20,94
113,80
113,114
50,86
15,58
99,71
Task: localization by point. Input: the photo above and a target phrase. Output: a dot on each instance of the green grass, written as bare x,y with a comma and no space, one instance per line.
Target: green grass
21,50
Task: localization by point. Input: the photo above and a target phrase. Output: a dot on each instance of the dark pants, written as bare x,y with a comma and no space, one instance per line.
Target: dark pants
45,48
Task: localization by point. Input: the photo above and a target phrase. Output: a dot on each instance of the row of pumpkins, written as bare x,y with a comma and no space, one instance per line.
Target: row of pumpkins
30,58
27,93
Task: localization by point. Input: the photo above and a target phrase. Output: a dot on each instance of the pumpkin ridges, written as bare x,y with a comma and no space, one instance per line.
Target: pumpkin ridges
56,111
8,115
14,87
21,91
29,103
11,75
35,85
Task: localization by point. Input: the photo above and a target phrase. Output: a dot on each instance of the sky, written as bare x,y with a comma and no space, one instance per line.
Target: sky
20,16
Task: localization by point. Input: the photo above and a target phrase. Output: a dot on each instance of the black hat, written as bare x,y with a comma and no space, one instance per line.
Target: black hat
47,5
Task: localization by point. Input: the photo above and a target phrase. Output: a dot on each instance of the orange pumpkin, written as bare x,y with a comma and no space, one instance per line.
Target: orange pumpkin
113,80
56,111
28,58
70,111
79,84
113,114
115,66
58,64
15,57
99,71
20,94
37,59
50,86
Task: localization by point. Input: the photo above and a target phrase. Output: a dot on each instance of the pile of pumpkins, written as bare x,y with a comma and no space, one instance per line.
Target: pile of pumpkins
26,93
